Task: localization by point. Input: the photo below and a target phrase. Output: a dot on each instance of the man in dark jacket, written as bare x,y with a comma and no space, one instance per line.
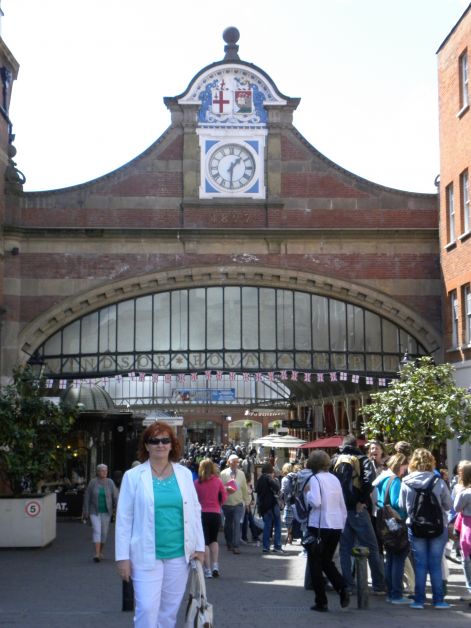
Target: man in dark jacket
267,490
356,475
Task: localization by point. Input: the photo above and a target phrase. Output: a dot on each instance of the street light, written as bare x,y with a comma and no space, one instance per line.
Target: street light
404,361
37,365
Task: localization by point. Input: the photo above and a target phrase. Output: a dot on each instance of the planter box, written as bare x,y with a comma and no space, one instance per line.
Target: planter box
27,521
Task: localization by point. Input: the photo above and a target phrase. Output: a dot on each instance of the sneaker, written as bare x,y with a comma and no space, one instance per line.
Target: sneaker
416,605
215,570
265,551
401,600
466,597
207,572
278,550
441,605
244,542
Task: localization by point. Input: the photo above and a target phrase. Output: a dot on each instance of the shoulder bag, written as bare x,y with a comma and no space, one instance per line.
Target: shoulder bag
199,613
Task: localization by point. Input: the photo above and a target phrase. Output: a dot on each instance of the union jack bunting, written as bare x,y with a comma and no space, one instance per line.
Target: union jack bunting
131,375
245,377
369,380
168,378
49,383
219,375
62,384
283,374
194,377
118,379
307,377
381,381
343,377
258,377
271,376
142,377
207,374
181,378
333,376
232,376
155,377
294,375
355,379
320,377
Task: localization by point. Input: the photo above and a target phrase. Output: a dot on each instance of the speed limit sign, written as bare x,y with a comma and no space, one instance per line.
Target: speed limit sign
32,509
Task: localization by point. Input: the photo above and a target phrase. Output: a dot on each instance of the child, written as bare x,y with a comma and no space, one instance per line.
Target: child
462,504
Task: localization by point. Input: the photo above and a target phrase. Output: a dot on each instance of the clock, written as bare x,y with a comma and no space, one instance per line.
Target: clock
231,166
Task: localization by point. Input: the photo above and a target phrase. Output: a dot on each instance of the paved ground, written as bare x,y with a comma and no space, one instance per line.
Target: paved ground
60,586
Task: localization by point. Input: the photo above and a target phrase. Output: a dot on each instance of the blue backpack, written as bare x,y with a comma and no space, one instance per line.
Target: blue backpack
300,506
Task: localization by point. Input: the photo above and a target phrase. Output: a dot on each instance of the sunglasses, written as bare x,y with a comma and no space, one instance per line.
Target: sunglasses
157,441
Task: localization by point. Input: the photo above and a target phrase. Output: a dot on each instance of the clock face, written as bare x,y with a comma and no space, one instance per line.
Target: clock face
231,167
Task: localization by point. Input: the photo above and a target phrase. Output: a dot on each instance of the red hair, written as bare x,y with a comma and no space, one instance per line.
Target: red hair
156,429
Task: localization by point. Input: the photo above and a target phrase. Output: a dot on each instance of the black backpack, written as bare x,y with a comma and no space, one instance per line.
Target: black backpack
426,518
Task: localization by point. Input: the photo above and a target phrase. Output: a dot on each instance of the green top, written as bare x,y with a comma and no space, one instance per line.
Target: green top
102,500
168,510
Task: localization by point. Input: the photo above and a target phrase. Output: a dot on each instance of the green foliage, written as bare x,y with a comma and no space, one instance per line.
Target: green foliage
31,428
424,407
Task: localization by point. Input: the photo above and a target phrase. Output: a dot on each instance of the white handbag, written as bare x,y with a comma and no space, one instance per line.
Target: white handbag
199,613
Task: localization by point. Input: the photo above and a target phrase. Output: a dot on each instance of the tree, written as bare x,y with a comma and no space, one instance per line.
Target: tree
424,407
31,433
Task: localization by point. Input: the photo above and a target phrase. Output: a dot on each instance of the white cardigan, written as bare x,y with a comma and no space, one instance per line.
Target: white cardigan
135,527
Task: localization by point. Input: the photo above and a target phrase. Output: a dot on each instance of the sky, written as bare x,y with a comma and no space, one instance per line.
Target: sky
93,75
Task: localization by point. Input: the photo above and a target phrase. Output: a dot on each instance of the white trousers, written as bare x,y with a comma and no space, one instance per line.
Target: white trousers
100,525
158,593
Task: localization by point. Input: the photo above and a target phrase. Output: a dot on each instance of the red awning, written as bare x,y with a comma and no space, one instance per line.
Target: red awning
329,441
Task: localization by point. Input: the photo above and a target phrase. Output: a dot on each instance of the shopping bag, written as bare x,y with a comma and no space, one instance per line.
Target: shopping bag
199,613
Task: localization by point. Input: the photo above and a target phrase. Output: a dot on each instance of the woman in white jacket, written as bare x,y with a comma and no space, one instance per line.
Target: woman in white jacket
158,528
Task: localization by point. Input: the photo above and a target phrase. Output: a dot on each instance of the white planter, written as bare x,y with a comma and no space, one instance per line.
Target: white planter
27,521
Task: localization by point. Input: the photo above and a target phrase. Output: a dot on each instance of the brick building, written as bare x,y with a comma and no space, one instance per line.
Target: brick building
455,203
229,270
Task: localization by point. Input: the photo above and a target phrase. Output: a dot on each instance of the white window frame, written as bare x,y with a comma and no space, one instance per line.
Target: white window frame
454,319
467,313
464,82
466,207
450,208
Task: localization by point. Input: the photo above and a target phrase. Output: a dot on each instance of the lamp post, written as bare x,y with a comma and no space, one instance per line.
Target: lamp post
37,365
405,360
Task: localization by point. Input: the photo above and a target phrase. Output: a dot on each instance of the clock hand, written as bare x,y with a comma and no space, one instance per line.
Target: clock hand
230,170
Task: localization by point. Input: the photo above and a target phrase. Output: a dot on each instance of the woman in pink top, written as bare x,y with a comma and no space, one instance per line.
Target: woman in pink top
211,494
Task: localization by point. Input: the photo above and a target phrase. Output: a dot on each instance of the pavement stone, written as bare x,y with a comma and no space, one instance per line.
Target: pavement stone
61,586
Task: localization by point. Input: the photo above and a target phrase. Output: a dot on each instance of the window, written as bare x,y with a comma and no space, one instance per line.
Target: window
450,208
467,314
454,319
465,207
463,70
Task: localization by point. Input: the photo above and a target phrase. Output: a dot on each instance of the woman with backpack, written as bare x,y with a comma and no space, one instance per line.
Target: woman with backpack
426,498
394,541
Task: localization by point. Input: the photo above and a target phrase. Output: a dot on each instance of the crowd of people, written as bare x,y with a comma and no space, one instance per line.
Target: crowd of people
173,505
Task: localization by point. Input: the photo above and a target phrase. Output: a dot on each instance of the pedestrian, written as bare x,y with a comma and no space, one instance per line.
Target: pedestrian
212,495
327,518
237,501
462,505
390,480
427,552
99,504
356,475
267,489
158,528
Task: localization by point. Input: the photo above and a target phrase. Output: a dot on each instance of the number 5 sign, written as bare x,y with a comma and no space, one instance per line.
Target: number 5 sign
32,509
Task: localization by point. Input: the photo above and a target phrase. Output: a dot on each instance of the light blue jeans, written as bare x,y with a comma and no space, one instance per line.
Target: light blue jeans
427,554
272,517
359,531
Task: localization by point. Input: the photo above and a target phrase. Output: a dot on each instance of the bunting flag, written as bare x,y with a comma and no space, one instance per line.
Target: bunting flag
49,383
207,374
307,377
168,378
381,381
219,375
369,380
118,379
245,376
294,376
142,377
131,375
271,376
232,376
155,377
283,374
181,378
63,384
333,376
343,377
258,377
320,377
356,379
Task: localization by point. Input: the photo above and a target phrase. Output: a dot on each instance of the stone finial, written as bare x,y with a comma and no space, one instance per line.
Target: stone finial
231,37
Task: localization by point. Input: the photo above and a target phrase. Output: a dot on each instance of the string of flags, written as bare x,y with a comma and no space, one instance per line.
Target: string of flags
259,376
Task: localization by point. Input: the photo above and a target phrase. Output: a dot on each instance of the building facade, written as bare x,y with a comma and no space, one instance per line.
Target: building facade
454,56
229,271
